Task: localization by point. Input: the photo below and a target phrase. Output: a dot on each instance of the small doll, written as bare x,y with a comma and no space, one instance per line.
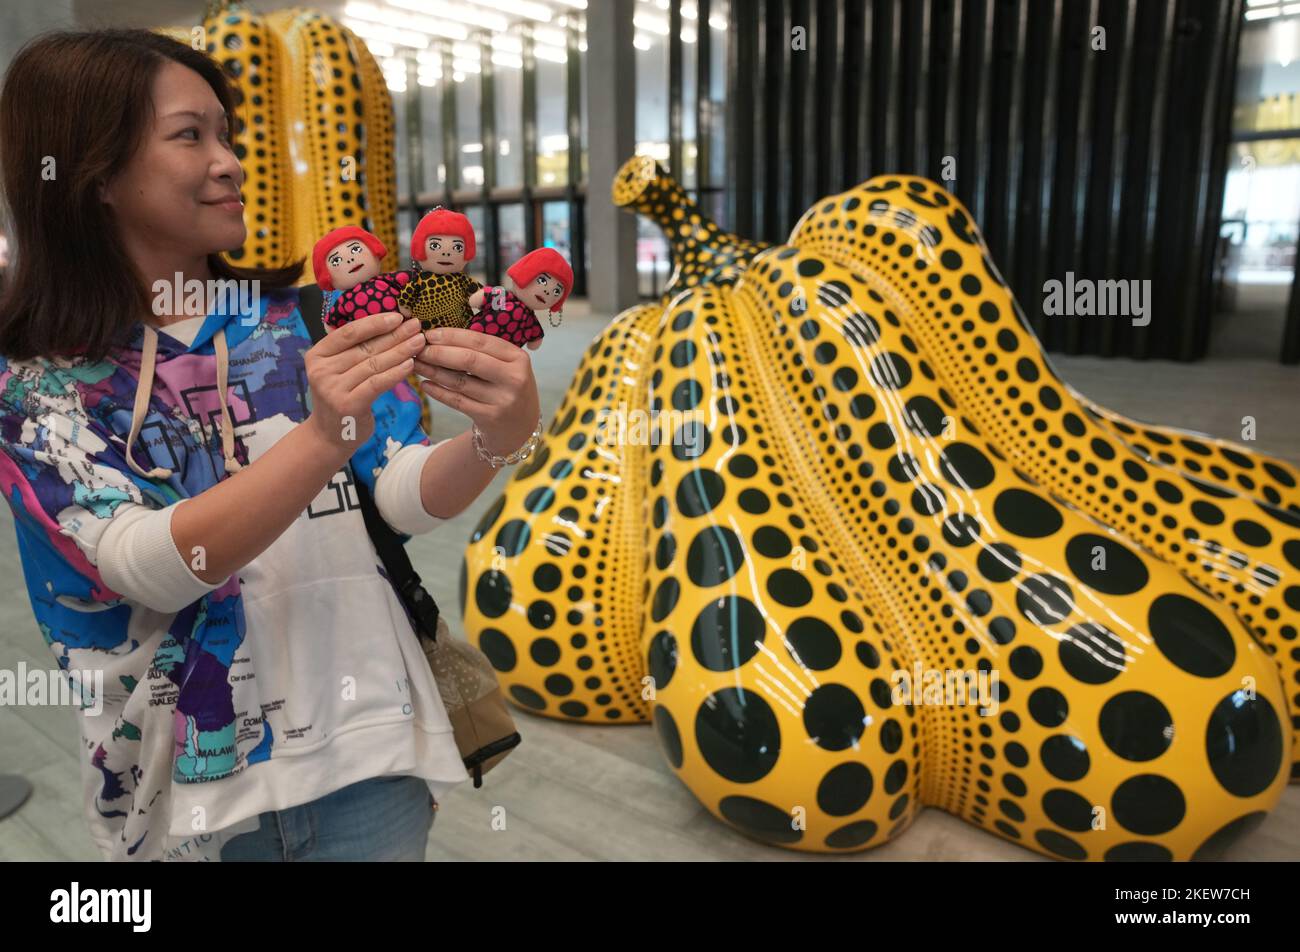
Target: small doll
542,280
346,264
439,290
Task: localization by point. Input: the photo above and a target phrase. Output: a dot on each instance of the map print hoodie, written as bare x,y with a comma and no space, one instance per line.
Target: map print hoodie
297,675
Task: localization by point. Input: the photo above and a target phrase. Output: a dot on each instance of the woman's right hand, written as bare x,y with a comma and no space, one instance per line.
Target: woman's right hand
350,367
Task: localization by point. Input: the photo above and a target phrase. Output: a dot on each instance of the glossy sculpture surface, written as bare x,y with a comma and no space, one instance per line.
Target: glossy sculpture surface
827,517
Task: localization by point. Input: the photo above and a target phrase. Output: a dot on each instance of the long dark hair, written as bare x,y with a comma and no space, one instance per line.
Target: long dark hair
84,99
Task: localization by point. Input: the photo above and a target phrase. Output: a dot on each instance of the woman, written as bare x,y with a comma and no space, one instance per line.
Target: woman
183,504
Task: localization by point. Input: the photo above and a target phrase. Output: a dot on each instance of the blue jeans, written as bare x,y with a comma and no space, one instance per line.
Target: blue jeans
383,819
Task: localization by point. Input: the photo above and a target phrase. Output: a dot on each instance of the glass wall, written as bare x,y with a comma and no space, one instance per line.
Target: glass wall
508,91
434,66
1261,199
468,102
512,243
430,95
552,131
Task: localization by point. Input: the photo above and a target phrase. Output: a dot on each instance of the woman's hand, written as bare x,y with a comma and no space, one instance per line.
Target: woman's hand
487,379
350,367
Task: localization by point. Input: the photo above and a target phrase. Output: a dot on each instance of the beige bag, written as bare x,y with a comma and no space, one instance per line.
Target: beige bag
485,731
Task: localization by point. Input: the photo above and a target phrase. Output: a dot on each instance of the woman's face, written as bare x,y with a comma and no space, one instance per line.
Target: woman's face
180,191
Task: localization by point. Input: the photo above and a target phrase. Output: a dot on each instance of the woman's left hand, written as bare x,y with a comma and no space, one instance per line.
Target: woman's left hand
487,379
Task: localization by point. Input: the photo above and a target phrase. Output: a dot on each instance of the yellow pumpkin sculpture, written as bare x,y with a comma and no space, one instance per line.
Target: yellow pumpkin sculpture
826,516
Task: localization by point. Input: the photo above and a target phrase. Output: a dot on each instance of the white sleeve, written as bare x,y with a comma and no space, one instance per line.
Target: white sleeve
137,557
397,491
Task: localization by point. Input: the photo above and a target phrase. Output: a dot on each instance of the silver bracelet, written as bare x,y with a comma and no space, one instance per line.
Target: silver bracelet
518,456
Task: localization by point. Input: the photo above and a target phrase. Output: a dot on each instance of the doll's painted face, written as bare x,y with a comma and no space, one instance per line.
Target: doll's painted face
542,293
443,254
350,263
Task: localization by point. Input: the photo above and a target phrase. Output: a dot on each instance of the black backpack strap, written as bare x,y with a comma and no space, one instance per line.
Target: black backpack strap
419,603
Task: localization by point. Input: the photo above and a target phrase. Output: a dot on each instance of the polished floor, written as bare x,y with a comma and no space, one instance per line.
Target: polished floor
576,792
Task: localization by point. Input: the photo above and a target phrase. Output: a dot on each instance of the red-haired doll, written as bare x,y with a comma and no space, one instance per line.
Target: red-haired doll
542,281
347,267
439,290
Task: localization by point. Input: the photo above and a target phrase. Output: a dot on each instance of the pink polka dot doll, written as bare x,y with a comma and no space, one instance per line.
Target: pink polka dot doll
542,281
346,264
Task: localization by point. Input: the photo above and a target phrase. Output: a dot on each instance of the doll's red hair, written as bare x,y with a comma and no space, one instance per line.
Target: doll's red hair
524,271
332,241
443,221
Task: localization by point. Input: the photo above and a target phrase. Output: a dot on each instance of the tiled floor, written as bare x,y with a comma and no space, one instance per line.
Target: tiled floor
589,792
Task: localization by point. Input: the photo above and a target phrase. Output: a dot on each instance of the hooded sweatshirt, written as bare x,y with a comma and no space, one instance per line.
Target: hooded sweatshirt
296,676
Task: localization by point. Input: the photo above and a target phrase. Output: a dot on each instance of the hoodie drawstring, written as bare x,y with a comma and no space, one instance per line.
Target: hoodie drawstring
227,423
144,387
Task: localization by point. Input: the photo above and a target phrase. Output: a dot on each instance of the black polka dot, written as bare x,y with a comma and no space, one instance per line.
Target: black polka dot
1251,532
965,466
1207,512
924,417
761,820
891,736
1136,726
998,562
715,555
860,330
789,587
1044,599
662,658
1191,636
665,598
512,538
833,717
500,650
1026,514
928,499
492,593
738,735
881,436
1060,845
1027,369
1048,707
528,697
1065,757
772,542
1002,629
845,789
895,776
1091,653
1244,743
852,836
891,371
727,633
687,395
1067,809
699,492
559,685
1026,663
961,529
1214,847
1105,564
814,643
1138,852
1168,492
670,739
1148,805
